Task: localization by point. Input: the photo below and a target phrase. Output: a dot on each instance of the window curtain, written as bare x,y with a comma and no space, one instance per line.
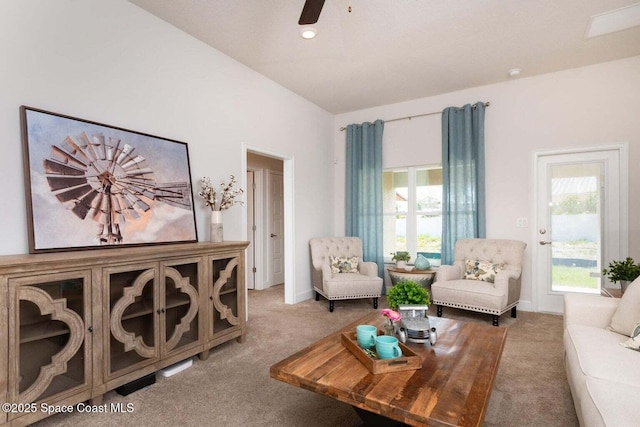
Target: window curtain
364,189
463,198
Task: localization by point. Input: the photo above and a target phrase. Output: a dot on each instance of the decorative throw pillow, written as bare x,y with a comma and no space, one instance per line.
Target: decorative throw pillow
634,342
626,314
343,264
481,270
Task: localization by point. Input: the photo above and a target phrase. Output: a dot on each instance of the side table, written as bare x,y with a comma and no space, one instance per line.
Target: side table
611,292
422,277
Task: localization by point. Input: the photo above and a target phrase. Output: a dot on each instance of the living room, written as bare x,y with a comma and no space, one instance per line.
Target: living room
113,62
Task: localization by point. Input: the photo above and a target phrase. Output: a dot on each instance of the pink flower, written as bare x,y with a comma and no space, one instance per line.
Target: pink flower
393,316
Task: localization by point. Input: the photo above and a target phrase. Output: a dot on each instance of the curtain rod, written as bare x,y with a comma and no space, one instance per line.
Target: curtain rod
486,104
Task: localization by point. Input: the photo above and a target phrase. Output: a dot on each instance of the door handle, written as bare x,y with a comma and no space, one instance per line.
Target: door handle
274,235
545,242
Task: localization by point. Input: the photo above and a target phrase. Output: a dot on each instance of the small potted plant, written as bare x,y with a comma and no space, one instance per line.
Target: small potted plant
624,271
401,258
407,292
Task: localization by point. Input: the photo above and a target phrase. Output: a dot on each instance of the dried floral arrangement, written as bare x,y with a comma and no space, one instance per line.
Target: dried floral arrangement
225,198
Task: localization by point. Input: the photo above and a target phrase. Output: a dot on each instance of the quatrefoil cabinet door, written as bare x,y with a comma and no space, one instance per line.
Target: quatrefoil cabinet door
50,342
226,298
180,306
132,318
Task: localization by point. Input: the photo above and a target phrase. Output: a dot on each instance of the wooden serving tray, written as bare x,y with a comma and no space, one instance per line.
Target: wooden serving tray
408,361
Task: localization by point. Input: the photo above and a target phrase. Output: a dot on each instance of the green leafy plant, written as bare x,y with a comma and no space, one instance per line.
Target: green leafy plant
407,292
622,270
401,256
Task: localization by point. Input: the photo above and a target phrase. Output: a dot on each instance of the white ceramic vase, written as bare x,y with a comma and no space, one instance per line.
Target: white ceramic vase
215,229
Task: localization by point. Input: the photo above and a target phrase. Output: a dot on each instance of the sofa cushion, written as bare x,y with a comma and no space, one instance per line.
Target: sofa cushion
481,270
599,354
343,264
350,285
616,404
628,312
469,293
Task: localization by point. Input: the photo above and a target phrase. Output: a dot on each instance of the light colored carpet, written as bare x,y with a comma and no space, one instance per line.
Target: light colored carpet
233,387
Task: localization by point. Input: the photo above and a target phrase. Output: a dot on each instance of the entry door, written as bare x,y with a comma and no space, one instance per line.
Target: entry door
579,222
276,227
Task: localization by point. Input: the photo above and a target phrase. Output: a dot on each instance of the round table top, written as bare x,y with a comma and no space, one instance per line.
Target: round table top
412,271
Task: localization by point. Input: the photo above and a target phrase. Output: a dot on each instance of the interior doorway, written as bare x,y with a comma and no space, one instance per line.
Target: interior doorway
265,221
581,221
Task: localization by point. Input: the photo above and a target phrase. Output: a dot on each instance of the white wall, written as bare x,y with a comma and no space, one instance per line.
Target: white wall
586,106
114,63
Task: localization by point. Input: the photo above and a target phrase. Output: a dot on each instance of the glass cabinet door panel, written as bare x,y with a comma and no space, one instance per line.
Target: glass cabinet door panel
52,353
133,319
181,308
224,296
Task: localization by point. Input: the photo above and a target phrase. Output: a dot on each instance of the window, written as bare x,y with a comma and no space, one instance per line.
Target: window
413,212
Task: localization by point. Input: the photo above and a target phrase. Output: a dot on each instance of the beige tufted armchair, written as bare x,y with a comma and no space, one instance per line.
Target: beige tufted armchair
485,277
345,278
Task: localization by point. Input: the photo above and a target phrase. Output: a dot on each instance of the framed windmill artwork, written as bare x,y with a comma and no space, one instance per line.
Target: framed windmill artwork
90,185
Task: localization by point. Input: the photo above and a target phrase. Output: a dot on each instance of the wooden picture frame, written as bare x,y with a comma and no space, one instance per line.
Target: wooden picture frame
90,185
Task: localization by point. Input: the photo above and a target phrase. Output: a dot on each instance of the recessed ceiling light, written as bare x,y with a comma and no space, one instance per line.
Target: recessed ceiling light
614,20
515,72
308,32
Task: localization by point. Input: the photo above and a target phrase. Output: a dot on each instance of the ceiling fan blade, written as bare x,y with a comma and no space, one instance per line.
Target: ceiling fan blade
311,12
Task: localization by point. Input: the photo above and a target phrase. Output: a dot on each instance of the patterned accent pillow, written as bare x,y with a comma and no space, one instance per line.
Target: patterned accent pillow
481,270
343,264
634,342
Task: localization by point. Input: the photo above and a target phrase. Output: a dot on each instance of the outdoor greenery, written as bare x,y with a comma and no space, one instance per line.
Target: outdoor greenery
407,292
575,204
574,277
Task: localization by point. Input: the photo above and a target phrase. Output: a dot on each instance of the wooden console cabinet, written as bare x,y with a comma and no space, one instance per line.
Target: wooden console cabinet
78,324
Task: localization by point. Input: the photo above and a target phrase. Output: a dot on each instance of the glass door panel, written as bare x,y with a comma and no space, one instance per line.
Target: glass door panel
575,226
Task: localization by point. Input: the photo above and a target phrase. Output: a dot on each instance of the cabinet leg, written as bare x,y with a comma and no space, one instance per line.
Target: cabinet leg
204,355
241,338
96,400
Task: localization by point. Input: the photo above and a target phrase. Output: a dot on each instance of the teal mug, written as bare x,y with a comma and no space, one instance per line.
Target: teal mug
366,336
387,347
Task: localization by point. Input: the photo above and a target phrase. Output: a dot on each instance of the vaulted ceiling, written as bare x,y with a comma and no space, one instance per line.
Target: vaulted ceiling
388,51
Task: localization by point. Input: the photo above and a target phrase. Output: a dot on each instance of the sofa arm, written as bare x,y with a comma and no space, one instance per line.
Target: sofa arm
368,268
507,281
589,310
448,272
326,272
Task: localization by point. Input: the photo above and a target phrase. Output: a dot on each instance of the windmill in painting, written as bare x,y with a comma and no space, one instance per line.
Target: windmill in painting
105,180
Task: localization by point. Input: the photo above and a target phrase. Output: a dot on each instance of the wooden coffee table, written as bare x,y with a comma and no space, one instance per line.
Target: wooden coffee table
452,387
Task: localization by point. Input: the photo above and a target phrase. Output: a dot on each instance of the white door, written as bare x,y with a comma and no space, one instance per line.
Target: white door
276,227
581,221
251,232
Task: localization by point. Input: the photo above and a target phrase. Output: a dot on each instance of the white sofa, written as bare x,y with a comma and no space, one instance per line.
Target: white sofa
604,377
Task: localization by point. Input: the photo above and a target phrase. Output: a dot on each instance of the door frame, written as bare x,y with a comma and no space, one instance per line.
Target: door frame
623,244
256,204
289,218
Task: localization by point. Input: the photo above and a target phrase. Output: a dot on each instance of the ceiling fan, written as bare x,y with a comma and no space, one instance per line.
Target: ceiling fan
311,12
